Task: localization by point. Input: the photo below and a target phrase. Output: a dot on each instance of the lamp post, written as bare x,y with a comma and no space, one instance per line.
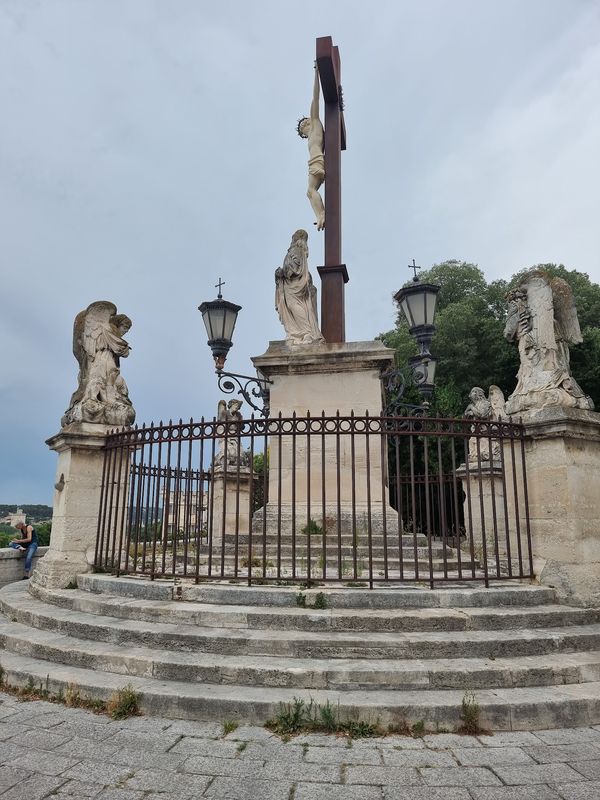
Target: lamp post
219,317
417,301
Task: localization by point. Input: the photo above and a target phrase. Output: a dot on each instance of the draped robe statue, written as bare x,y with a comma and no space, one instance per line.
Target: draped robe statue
296,296
487,408
98,345
542,319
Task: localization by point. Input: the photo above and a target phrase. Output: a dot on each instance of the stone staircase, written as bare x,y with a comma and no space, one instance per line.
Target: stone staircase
224,651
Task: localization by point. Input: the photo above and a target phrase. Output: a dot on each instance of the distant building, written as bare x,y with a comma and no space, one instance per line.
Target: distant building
14,519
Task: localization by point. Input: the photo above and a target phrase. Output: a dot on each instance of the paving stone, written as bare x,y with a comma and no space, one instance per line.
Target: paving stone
556,753
140,759
52,763
425,793
149,725
279,751
119,794
538,773
403,743
320,739
33,788
459,776
87,748
316,791
9,776
442,741
418,758
10,752
590,769
540,792
576,791
42,739
383,775
491,756
249,733
225,767
343,755
131,739
45,720
310,773
8,730
87,729
569,735
157,781
92,772
202,730
252,789
218,748
80,789
510,739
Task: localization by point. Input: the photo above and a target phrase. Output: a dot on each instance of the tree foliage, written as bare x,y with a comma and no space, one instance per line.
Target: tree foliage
469,342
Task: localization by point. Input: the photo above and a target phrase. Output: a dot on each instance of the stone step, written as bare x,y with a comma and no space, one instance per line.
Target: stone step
465,595
18,606
309,619
301,673
500,709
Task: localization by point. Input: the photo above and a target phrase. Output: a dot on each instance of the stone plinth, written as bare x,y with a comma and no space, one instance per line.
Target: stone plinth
562,450
484,509
75,506
230,501
326,378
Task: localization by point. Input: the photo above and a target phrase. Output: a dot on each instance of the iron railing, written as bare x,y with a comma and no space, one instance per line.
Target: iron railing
351,500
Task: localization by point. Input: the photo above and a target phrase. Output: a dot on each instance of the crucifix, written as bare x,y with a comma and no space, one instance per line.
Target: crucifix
333,274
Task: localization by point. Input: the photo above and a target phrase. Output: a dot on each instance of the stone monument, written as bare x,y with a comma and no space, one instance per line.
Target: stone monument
296,296
562,439
231,477
542,320
101,401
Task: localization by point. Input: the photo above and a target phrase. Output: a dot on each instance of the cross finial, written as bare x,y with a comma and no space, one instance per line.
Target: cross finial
218,286
415,267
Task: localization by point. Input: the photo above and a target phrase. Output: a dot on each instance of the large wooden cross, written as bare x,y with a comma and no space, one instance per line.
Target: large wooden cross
334,274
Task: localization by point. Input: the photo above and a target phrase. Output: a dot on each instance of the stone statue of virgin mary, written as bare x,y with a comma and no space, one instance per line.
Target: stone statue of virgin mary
296,296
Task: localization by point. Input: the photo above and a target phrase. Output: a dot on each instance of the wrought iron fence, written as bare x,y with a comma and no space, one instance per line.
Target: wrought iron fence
351,500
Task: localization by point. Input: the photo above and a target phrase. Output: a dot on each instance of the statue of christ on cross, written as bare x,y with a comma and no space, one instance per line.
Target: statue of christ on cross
311,128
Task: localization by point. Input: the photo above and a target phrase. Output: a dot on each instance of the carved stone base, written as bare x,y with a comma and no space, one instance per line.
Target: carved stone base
75,506
563,465
547,399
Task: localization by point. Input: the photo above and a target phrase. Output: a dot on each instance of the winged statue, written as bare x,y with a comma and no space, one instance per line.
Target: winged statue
98,345
542,320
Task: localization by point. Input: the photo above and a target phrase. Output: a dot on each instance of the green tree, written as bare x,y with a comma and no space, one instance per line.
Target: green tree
469,342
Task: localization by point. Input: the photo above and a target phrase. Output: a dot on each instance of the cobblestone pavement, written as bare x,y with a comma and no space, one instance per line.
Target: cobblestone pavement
48,750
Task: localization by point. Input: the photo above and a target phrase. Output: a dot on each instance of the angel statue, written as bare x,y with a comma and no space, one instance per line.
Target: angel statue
489,408
296,296
98,345
230,452
542,319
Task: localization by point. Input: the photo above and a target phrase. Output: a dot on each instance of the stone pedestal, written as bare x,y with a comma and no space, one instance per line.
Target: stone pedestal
230,499
75,505
484,509
562,450
326,378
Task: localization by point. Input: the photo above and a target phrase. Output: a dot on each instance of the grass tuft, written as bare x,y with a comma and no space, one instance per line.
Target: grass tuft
123,703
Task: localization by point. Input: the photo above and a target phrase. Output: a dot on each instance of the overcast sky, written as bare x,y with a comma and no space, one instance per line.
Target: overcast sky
149,147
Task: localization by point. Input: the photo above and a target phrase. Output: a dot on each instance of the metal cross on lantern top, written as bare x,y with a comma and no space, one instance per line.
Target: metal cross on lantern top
333,274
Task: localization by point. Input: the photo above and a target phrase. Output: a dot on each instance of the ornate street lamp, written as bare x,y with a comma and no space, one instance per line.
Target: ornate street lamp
417,301
219,317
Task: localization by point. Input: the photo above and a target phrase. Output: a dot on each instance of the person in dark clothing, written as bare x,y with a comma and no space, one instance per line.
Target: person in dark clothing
27,542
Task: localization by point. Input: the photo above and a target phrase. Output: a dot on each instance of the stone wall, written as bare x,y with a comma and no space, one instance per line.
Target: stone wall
11,564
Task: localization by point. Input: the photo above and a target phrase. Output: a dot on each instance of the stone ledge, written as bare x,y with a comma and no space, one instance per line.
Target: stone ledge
557,421
282,359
